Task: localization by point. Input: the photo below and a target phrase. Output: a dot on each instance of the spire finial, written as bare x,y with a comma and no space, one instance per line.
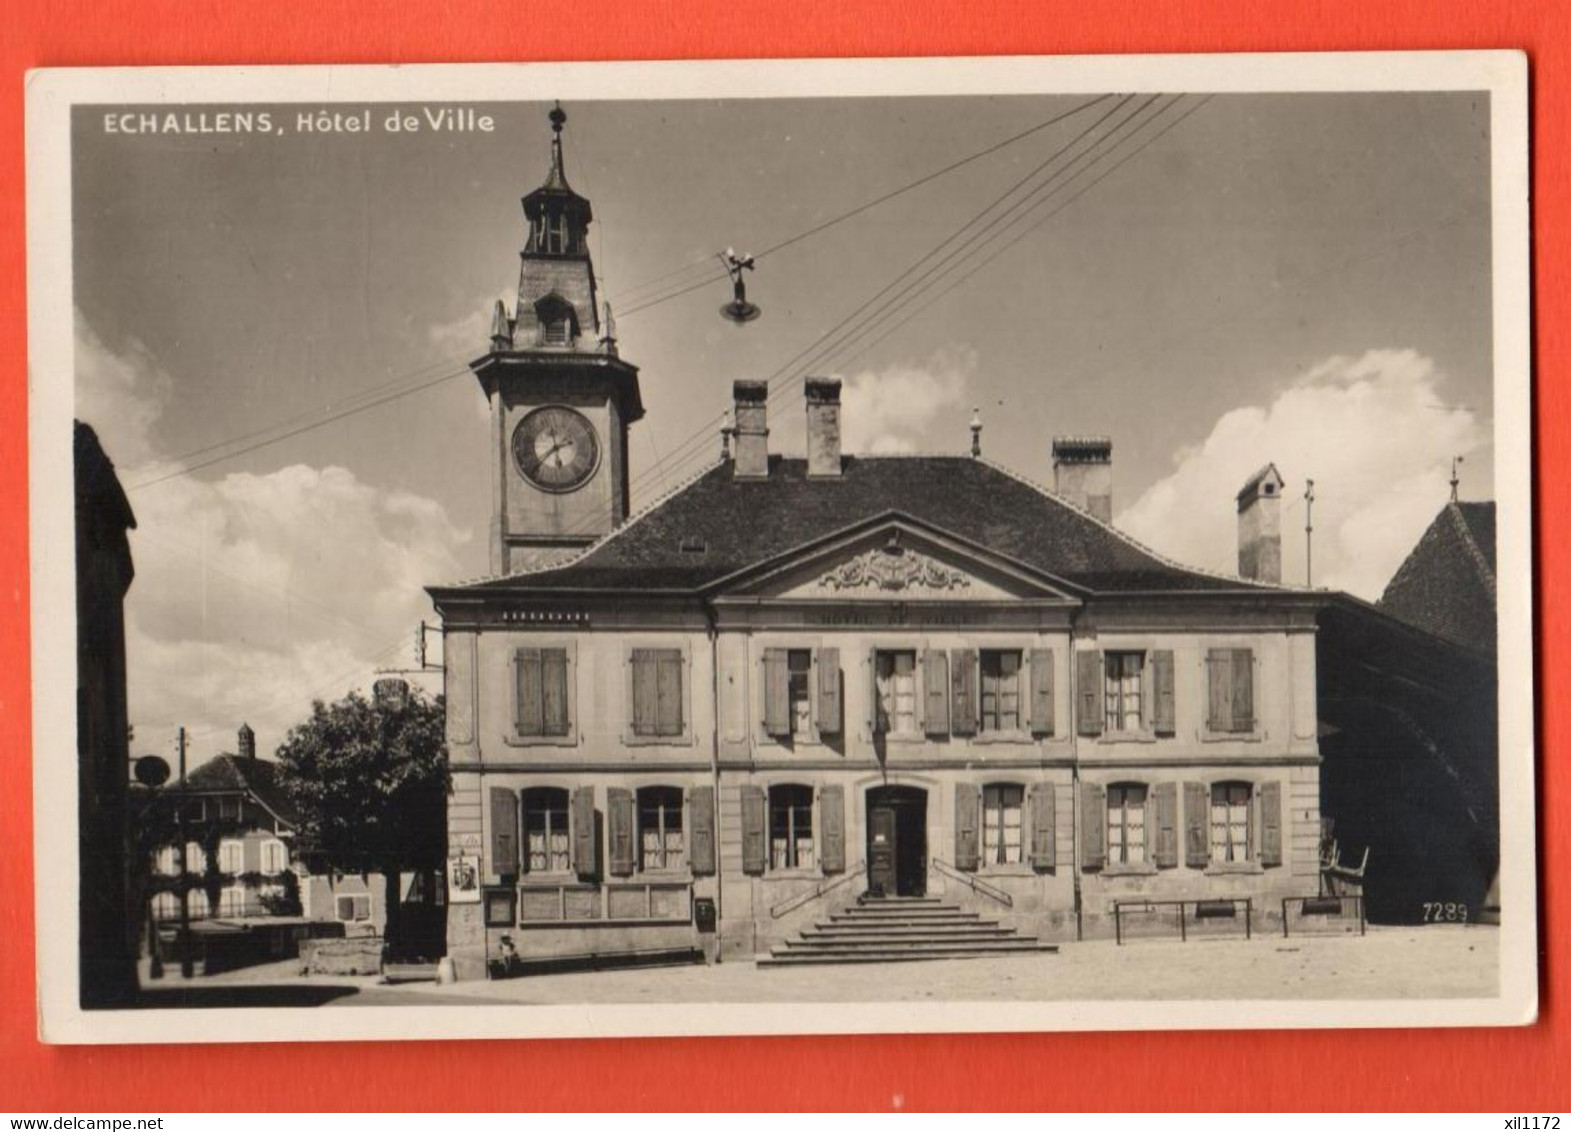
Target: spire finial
558,118
1456,478
976,431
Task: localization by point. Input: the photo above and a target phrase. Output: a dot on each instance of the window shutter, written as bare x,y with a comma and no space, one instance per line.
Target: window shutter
1093,826
1088,690
1219,666
585,843
935,691
829,707
1042,691
504,832
963,682
832,821
619,820
553,679
1164,803
526,663
1197,825
644,705
777,698
755,815
875,724
1164,721
668,685
701,822
1243,690
1044,827
968,810
1270,824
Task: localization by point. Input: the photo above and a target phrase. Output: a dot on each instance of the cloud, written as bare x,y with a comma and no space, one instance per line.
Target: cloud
1376,435
890,410
254,593
468,335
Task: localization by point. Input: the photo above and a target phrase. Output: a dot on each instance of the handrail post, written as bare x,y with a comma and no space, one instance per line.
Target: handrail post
1249,917
1118,923
1183,928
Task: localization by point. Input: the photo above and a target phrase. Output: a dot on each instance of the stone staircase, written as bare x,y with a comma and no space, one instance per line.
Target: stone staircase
901,929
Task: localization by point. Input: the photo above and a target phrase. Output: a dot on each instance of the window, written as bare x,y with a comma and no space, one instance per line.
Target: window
166,906
275,857
232,901
1230,822
1001,837
540,704
660,828
896,683
791,827
799,667
1126,824
1000,690
195,858
196,904
657,693
167,861
546,844
231,856
558,321
354,907
1121,682
1230,674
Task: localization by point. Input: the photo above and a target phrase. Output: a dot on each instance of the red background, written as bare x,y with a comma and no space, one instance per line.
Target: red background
1519,1070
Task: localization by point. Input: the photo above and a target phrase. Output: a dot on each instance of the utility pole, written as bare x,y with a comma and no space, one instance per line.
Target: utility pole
1309,533
186,966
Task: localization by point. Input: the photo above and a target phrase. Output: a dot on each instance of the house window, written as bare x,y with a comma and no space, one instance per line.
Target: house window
660,828
166,906
799,667
1001,805
1126,824
790,827
1122,680
231,856
1000,690
1230,821
353,908
657,692
167,861
196,904
232,901
896,683
541,692
1230,675
275,857
195,858
546,844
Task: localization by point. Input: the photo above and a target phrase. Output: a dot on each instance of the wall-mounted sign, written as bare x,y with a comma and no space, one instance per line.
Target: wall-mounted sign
463,879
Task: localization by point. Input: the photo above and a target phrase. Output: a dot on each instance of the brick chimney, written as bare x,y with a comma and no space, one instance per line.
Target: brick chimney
1083,473
245,742
1260,526
823,427
752,429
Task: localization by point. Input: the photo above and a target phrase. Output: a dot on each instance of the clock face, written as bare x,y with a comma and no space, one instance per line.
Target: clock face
556,448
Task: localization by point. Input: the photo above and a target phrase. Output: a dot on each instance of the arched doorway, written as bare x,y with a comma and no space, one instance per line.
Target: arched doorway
897,841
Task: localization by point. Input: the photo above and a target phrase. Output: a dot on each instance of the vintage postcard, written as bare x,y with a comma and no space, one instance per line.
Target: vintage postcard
823,546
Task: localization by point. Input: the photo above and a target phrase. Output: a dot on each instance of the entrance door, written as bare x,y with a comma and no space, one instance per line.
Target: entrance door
896,841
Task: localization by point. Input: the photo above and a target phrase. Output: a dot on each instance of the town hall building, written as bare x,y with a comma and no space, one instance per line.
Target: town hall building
804,684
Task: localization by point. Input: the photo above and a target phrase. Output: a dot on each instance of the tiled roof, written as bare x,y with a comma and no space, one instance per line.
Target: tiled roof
1446,586
231,774
742,523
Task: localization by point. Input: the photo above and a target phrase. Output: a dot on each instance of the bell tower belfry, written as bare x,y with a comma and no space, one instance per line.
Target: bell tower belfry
561,397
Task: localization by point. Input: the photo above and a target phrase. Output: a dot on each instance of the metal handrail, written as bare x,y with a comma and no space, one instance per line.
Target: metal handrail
976,884
823,887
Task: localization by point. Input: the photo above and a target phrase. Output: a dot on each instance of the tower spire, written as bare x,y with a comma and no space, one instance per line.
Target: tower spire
558,175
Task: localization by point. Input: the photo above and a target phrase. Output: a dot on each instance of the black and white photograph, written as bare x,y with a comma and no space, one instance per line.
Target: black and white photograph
782,547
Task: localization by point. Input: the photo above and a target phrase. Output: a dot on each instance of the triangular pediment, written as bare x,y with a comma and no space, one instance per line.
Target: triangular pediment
893,560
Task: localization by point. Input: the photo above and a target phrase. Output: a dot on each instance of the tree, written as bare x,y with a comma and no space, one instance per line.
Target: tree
369,779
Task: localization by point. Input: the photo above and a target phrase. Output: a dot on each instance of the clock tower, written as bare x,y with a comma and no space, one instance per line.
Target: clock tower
561,398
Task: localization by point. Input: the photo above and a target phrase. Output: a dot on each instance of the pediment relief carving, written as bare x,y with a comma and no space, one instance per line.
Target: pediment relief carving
894,569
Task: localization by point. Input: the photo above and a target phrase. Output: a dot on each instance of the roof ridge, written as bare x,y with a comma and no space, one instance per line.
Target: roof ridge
1474,551
1172,563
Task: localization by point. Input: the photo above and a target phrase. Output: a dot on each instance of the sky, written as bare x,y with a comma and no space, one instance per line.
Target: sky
1301,279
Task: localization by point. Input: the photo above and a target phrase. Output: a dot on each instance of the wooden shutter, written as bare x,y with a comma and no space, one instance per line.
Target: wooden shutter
1044,827
1088,691
645,713
1243,690
875,726
830,712
935,691
832,824
777,693
701,826
553,679
1093,826
1270,824
968,811
668,692
1164,714
619,821
1219,676
755,820
585,842
504,832
963,685
1042,691
530,709
1197,825
1164,807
